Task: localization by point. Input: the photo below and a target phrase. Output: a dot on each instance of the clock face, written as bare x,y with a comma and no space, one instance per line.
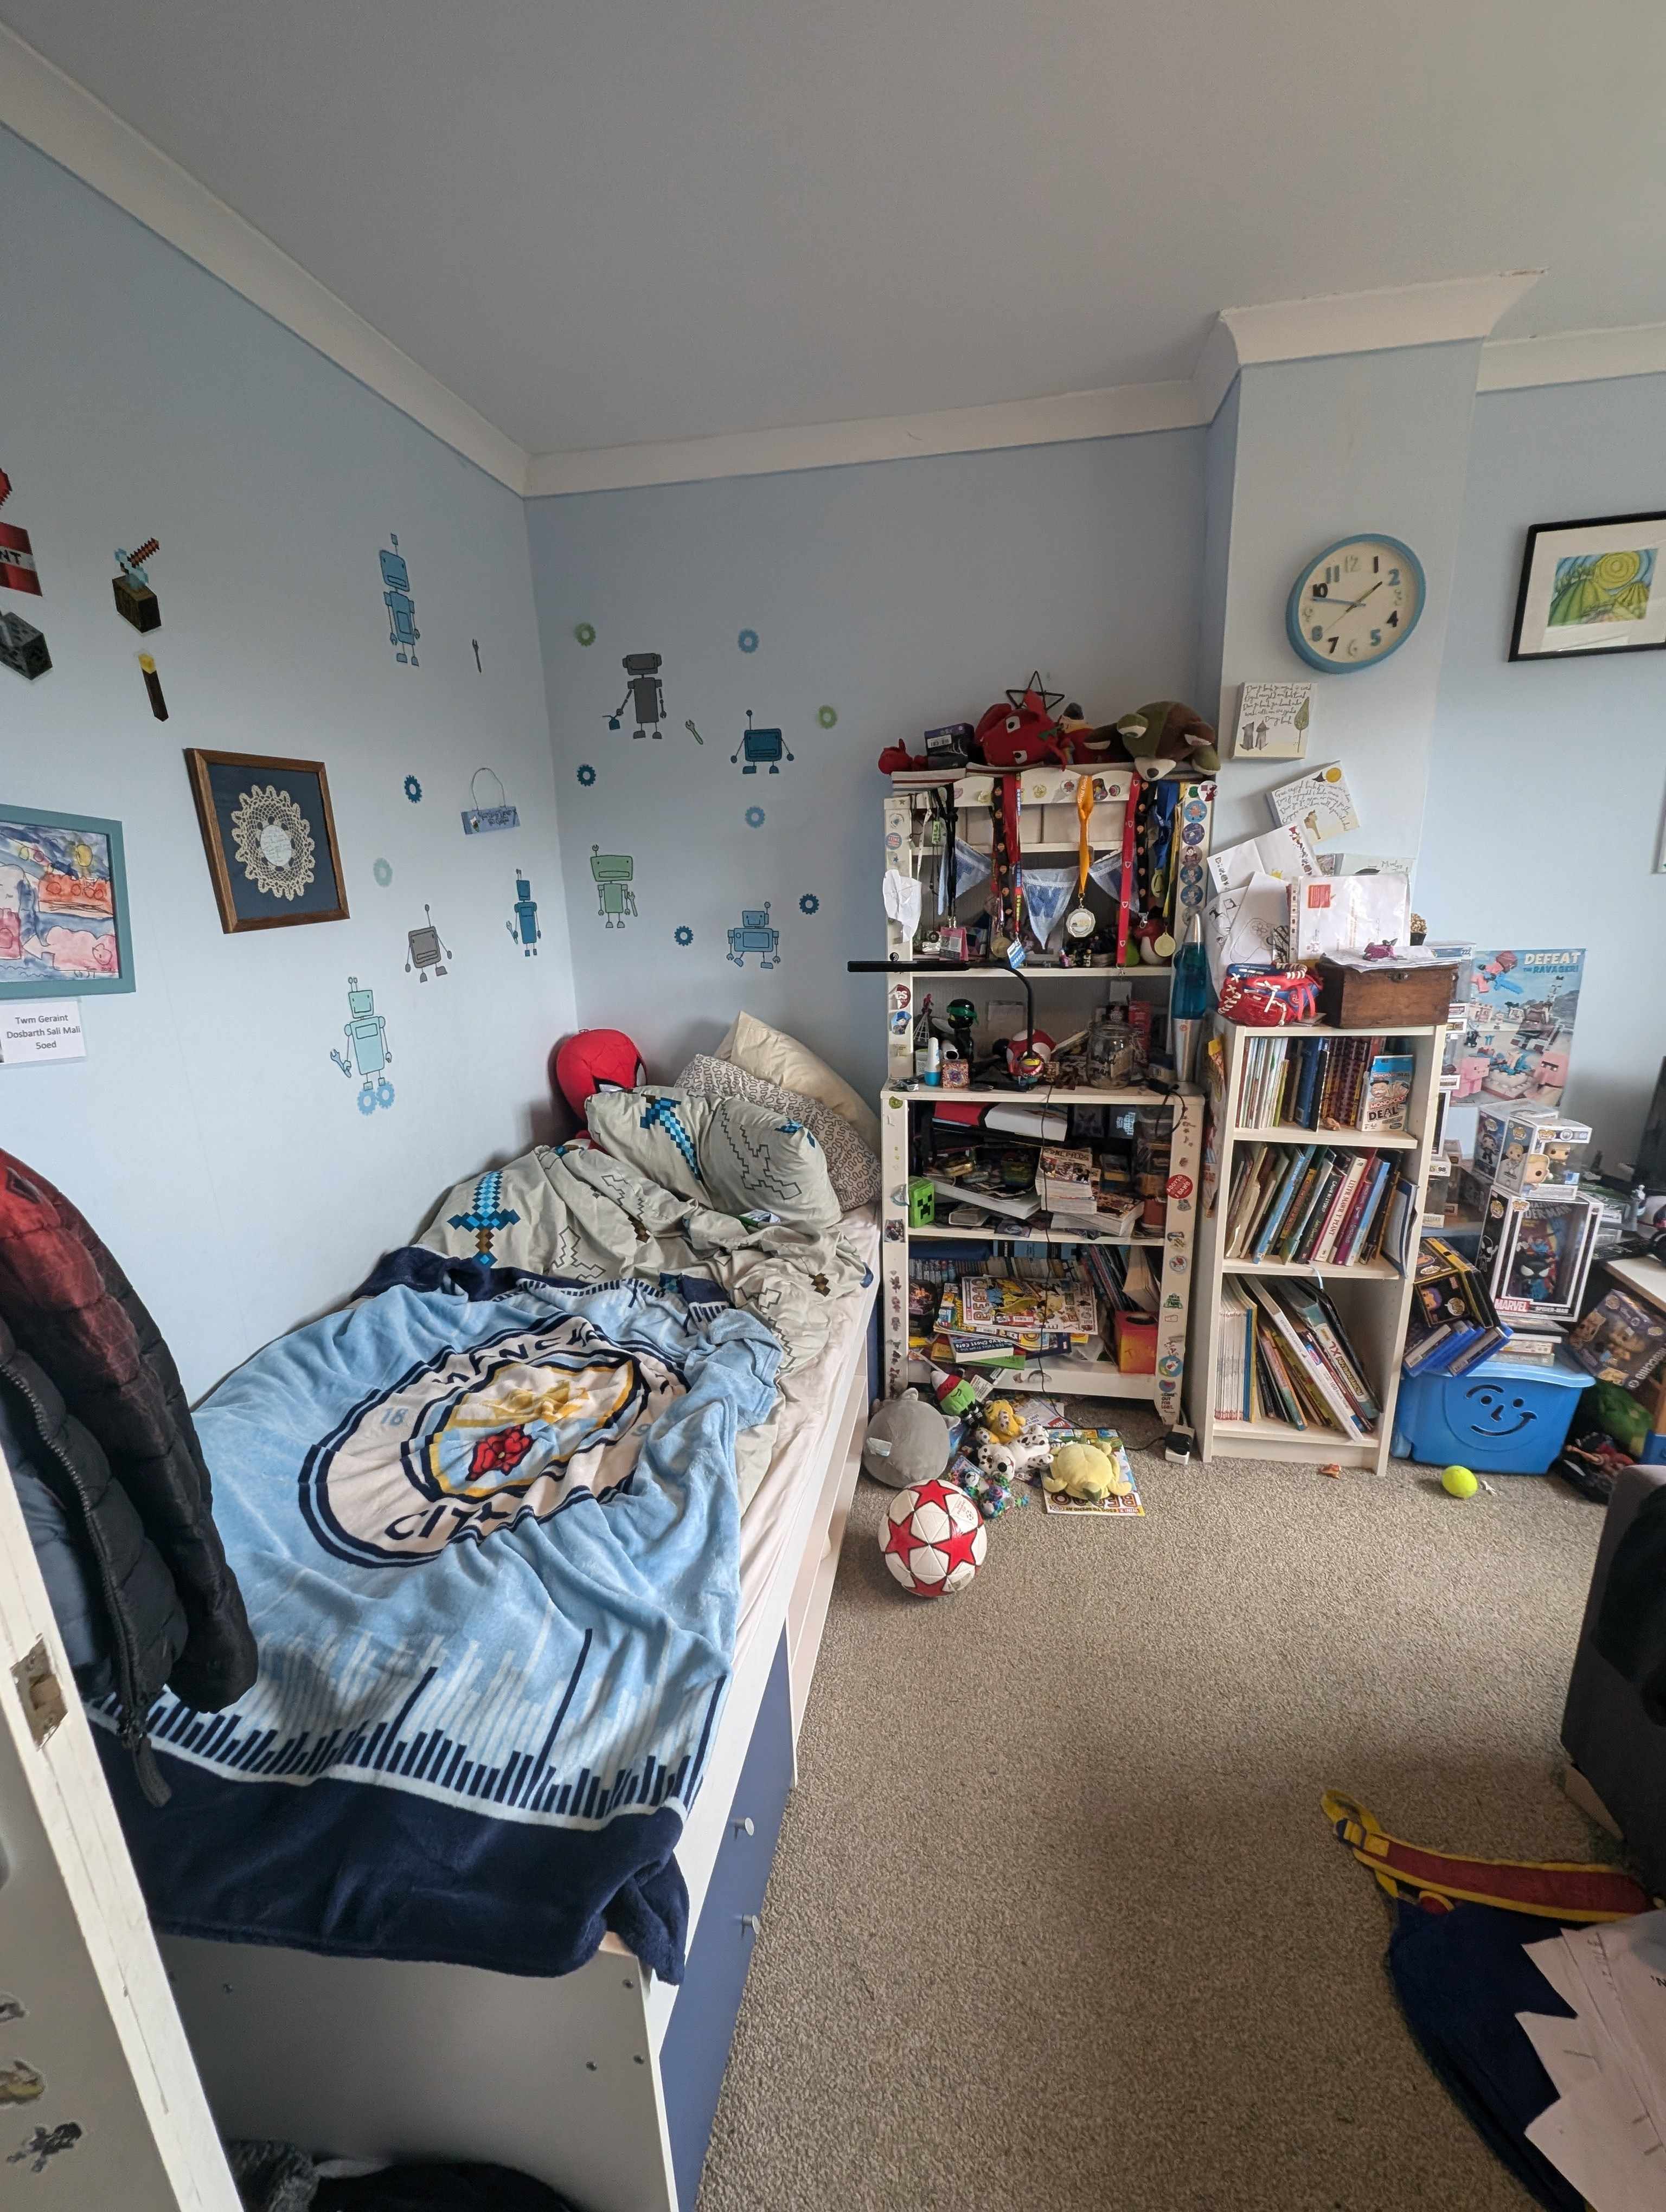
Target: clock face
1356,603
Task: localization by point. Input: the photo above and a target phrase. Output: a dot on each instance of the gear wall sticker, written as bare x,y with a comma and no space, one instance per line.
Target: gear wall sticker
368,1054
22,646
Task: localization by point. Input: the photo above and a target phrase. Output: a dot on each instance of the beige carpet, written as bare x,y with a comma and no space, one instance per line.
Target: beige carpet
1056,1921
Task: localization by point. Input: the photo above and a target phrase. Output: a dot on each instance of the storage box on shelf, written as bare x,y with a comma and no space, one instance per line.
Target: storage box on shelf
1370,1294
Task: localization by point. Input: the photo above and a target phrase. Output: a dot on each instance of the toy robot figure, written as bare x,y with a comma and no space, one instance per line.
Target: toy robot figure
643,695
612,873
754,935
760,745
367,1036
402,631
426,951
524,929
134,600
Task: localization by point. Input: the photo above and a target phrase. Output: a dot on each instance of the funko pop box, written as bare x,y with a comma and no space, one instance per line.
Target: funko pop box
1527,1148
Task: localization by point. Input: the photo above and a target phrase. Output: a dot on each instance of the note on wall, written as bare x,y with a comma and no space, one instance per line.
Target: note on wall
41,1029
1321,803
1272,723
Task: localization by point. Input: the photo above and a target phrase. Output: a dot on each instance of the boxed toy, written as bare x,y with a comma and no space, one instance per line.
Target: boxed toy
1536,1251
1536,1149
1621,1340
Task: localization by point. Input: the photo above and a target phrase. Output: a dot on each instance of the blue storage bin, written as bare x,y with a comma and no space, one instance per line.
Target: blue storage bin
1505,1417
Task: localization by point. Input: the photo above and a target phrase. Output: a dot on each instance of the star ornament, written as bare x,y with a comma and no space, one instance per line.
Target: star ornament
1036,698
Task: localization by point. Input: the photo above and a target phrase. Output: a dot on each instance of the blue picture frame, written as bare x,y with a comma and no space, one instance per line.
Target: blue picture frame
1293,626
64,893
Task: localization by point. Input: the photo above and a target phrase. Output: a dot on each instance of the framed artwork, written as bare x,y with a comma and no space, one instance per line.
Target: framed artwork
63,928
1592,587
270,839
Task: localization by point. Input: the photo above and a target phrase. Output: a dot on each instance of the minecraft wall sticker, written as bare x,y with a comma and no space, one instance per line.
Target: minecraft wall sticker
523,925
22,646
424,951
754,935
130,588
613,875
402,631
368,1053
152,685
18,570
763,748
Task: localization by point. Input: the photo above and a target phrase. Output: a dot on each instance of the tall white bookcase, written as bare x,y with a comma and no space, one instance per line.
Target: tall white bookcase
1373,1297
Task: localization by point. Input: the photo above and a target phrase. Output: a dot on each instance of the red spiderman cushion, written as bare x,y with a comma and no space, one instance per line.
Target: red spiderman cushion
595,1059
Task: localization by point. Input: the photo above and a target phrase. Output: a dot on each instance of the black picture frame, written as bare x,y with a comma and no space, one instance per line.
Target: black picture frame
1534,554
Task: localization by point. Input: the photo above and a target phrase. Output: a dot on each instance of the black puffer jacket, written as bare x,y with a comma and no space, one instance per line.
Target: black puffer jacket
83,1362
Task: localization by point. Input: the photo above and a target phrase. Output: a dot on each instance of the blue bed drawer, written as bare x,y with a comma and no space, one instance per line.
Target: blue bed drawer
696,2049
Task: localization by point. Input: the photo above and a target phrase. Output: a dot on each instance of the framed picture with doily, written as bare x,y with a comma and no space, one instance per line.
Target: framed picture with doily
270,835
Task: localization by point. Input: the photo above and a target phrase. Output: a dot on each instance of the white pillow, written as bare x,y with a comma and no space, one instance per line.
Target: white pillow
759,1049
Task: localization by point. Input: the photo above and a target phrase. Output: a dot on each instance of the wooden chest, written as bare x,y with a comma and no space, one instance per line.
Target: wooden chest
1388,996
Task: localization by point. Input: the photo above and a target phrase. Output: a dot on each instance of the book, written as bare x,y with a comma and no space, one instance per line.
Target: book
1000,1305
1339,1412
1066,1179
1020,1207
1388,1091
1286,1190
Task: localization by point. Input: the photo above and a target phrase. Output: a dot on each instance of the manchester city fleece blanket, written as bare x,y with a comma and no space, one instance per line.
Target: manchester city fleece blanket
491,1553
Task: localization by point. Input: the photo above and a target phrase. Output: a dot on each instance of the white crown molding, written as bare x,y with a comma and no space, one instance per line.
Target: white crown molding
57,115
1441,313
1573,357
1120,412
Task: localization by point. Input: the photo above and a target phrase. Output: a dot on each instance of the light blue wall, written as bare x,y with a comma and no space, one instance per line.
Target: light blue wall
903,595
1544,799
1322,449
207,1135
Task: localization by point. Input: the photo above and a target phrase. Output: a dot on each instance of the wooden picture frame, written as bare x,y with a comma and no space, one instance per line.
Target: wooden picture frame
269,834
64,932
1598,586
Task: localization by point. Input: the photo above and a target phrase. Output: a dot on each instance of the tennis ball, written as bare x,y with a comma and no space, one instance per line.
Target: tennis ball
1458,1482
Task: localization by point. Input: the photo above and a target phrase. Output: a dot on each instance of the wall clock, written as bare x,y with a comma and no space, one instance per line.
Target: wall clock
1356,603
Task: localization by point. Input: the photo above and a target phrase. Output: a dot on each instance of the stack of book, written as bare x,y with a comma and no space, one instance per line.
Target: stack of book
1284,1356
1066,1180
1316,1203
1454,1324
1325,1082
1059,1317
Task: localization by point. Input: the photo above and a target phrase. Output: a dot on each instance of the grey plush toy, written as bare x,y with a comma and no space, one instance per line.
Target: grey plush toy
906,1442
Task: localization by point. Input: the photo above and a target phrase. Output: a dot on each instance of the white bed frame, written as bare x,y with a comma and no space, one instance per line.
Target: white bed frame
601,2083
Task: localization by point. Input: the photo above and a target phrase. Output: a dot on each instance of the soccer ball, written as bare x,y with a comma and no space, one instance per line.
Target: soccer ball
933,1538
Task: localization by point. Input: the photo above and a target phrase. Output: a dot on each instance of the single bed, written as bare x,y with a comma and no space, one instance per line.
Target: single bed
602,2081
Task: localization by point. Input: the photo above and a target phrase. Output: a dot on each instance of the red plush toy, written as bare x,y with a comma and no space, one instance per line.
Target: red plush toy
1021,731
595,1059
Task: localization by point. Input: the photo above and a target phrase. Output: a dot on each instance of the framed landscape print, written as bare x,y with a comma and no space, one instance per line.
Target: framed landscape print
63,928
1592,587
270,839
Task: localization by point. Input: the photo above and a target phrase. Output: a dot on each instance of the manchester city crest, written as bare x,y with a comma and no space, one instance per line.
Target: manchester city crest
472,1442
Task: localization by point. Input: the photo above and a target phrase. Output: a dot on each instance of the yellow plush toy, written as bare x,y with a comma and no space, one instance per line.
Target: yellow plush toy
1000,1417
1083,1471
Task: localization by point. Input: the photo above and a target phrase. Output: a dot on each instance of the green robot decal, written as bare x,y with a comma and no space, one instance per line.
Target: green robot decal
612,873
367,1040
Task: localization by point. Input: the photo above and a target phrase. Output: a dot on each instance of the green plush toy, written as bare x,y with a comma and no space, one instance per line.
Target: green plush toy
1167,738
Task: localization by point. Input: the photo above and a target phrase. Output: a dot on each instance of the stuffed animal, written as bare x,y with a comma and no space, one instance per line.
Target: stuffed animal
1019,730
1167,738
906,1442
988,1478
1001,1419
595,1059
1083,1471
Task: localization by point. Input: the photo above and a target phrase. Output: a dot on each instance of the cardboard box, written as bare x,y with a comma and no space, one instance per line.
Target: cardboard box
1536,1149
1136,1343
1536,1251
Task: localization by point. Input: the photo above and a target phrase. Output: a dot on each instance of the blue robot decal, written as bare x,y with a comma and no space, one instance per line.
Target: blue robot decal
402,631
644,695
523,928
763,747
366,1039
613,875
754,935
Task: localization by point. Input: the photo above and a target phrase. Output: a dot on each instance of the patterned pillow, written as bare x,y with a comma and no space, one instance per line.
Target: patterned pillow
852,1167
736,1158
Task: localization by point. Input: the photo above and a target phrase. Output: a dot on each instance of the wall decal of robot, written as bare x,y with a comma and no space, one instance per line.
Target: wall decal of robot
613,874
644,695
368,1052
402,631
762,748
424,949
522,925
134,600
754,935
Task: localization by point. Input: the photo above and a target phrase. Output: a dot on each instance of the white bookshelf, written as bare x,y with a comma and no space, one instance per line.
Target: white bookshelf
1372,1296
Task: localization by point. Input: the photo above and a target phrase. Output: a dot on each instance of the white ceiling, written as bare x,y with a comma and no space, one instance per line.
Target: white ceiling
641,220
